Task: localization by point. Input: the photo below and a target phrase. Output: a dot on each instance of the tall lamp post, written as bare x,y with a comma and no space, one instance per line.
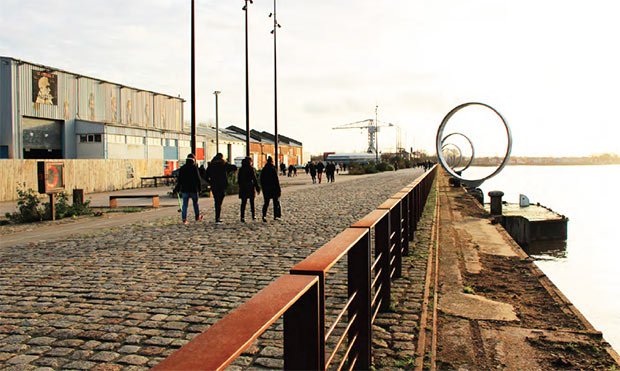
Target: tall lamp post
276,25
217,124
247,84
376,135
193,87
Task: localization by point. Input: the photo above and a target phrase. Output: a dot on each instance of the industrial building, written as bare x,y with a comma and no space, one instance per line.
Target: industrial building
48,113
262,145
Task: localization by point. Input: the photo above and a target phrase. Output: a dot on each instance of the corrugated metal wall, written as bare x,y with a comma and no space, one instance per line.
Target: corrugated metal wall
90,99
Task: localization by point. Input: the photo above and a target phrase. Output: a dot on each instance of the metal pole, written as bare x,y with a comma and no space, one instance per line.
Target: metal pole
247,85
193,68
275,82
217,124
376,135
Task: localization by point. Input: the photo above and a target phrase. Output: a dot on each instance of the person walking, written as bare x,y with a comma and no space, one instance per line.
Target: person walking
330,170
313,172
248,186
217,176
283,168
188,184
271,189
319,170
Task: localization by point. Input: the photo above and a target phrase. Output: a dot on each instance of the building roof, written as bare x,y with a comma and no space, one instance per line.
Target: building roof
54,69
265,137
224,136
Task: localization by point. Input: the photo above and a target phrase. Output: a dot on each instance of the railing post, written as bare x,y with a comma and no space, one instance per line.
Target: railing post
382,245
302,343
395,227
404,204
410,204
359,282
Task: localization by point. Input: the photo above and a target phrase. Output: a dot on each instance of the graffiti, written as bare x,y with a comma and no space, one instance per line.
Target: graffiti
113,106
91,106
129,169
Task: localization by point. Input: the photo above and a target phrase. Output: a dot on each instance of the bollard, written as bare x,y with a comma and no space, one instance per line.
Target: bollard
477,193
496,202
78,197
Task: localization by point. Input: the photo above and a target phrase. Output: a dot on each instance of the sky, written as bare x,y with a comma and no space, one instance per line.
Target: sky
551,68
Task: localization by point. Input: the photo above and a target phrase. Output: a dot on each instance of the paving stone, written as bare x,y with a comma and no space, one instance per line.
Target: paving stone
22,359
134,360
104,356
80,365
129,349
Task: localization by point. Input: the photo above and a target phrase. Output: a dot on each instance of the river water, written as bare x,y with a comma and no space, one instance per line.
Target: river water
587,266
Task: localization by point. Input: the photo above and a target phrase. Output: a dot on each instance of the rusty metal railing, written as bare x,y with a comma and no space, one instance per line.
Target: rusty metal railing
372,248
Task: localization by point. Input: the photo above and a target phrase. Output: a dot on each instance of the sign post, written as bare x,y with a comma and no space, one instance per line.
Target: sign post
51,180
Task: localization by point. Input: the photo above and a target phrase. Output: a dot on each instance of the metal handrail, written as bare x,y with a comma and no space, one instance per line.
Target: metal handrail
221,343
300,296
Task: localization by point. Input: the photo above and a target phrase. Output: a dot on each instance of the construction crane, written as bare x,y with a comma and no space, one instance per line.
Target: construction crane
371,126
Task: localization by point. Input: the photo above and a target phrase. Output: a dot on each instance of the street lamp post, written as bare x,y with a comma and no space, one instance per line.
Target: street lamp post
247,84
276,25
217,124
376,135
193,87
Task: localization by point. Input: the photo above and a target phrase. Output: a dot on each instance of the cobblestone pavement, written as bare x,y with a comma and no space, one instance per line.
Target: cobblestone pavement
128,296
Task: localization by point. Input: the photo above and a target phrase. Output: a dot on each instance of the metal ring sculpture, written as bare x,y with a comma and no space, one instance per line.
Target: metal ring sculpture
439,142
471,145
451,160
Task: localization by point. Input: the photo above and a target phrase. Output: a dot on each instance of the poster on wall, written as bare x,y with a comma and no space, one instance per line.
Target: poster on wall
44,87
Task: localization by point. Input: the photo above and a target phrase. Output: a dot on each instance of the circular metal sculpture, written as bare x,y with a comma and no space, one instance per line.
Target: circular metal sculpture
440,144
471,145
451,154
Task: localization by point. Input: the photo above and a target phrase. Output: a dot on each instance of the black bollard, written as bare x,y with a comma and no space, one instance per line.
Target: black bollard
496,202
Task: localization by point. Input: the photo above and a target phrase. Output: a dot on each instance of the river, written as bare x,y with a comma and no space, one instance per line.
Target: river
586,268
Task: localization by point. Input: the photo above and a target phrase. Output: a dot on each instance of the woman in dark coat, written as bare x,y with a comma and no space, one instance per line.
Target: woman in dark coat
271,189
217,177
248,186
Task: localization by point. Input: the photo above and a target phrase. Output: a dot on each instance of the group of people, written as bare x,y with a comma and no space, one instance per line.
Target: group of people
190,178
316,171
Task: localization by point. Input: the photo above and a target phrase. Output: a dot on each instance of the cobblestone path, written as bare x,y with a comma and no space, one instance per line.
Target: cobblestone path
127,297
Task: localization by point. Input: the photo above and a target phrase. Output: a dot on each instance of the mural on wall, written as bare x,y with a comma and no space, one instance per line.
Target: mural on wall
44,87
128,112
91,107
147,113
66,108
113,106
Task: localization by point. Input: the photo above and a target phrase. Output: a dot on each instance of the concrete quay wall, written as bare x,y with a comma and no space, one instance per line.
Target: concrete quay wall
89,175
495,308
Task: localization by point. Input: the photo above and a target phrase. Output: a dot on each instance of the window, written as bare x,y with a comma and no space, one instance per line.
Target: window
116,138
135,140
90,138
154,141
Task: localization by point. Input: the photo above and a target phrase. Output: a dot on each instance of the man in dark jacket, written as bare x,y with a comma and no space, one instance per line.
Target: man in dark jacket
188,184
271,189
248,186
217,176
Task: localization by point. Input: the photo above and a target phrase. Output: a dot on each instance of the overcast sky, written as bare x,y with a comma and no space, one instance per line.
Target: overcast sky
552,68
